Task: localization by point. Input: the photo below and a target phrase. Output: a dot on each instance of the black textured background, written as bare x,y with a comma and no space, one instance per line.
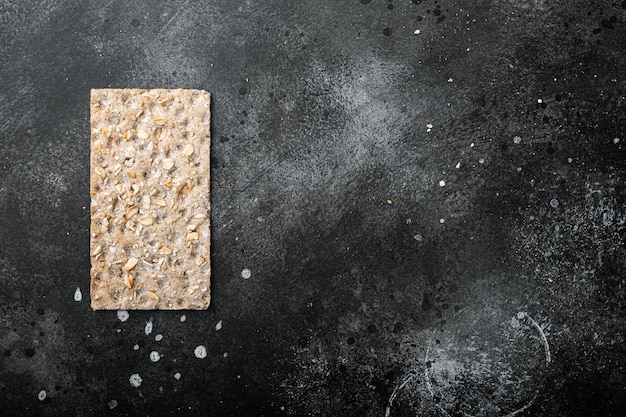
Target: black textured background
365,272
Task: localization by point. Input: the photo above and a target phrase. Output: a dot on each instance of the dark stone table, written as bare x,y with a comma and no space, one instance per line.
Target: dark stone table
432,222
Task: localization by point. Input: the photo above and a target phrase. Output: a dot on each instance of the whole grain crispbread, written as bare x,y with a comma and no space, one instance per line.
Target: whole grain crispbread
150,199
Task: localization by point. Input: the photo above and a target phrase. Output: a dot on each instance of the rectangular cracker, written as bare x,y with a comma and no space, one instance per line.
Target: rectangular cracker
150,199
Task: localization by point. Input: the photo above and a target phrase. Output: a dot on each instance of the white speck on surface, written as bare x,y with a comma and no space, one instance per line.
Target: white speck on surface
472,145
517,139
122,315
418,237
539,101
218,326
177,375
457,166
521,315
155,356
225,354
42,395
519,169
408,221
442,221
450,80
118,330
183,318
481,160
136,347
78,296
135,380
554,203
616,140
417,32
442,183
200,352
570,160
112,404
148,328
246,273
158,337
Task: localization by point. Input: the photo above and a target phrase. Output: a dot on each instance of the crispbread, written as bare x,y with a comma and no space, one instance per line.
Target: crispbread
150,199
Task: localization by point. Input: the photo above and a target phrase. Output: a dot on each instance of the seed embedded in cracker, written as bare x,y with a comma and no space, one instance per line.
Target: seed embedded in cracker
168,163
150,191
131,212
152,295
189,149
132,262
146,220
129,280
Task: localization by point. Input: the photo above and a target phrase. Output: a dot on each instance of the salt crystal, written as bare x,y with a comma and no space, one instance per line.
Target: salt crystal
148,328
200,352
122,315
135,380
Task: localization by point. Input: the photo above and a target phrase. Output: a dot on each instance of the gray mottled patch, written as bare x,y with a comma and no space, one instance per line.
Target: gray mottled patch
35,350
